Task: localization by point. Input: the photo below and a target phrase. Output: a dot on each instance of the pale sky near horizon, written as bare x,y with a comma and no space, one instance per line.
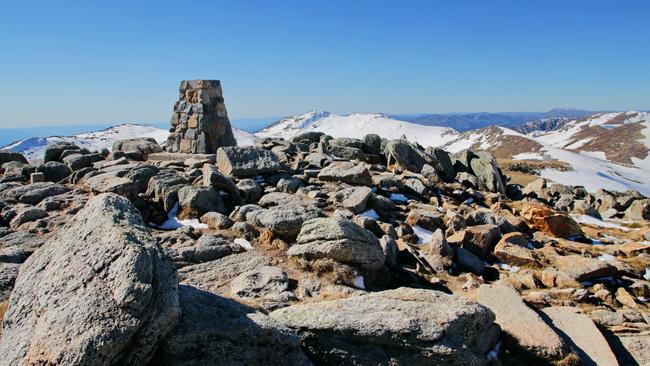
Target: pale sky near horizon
85,62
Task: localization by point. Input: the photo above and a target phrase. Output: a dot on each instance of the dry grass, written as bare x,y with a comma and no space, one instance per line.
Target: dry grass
326,269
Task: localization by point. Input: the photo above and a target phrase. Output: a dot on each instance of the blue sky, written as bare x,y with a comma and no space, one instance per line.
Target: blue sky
65,62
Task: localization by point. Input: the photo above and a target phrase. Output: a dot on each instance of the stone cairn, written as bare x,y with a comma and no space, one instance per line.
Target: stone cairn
199,123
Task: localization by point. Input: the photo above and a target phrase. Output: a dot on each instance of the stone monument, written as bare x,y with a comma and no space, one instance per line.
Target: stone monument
199,123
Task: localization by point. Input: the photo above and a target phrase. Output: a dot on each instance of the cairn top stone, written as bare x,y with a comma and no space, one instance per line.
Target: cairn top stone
199,122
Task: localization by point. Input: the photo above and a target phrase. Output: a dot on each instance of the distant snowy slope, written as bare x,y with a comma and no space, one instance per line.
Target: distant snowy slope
357,125
34,147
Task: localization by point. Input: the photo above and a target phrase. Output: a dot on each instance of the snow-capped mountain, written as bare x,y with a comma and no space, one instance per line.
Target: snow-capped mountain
34,147
606,150
357,125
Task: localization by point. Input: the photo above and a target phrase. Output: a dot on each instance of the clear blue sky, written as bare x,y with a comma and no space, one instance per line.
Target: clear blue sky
65,62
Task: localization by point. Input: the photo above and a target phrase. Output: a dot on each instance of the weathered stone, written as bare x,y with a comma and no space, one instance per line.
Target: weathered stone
478,239
268,283
216,220
164,186
488,174
513,249
54,151
142,145
639,210
468,261
590,344
208,248
340,240
429,219
100,292
389,246
349,153
54,171
346,172
200,121
214,330
545,219
582,268
353,198
372,144
407,155
361,330
246,161
8,275
26,214
196,202
520,322
249,190
535,187
7,156
285,221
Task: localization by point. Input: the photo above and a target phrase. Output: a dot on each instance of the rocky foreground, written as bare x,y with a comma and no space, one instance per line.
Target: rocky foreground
314,251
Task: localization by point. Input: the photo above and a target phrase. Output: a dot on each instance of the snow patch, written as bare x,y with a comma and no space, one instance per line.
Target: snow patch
244,243
424,235
359,282
370,213
398,197
174,223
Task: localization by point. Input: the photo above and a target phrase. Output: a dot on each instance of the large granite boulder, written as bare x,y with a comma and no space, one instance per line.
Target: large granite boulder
346,172
340,240
285,221
214,330
407,155
397,327
199,122
142,146
639,210
246,161
99,292
54,171
54,152
489,176
8,156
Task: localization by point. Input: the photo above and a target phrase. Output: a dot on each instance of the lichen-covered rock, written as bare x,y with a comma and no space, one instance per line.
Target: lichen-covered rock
340,240
100,292
353,198
488,174
142,145
197,201
399,327
346,172
285,221
246,161
214,330
7,156
54,171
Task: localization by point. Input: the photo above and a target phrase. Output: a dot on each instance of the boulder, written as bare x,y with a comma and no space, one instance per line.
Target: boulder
197,201
535,187
513,249
7,156
399,327
34,193
216,220
208,248
8,275
639,210
468,261
16,169
142,145
478,239
54,171
213,178
214,330
249,190
426,218
77,161
488,174
164,186
543,218
353,198
267,283
582,333
99,292
372,144
346,172
524,326
406,155
246,161
285,221
340,240
348,153
54,151
582,268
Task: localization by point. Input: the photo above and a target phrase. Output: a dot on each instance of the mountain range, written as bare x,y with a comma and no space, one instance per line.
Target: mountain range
601,150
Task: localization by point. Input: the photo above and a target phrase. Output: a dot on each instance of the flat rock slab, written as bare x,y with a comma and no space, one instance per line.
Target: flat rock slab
397,327
169,156
522,323
578,329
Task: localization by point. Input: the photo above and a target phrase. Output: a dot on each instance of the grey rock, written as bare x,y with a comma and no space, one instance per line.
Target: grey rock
468,261
353,198
468,180
213,178
246,161
17,169
407,155
54,151
208,248
143,145
434,329
54,171
164,187
26,214
285,221
249,190
311,136
639,210
77,161
8,275
226,333
267,282
389,246
7,156
216,276
197,201
346,172
289,185
348,153
216,220
340,240
488,174
519,321
372,144
100,292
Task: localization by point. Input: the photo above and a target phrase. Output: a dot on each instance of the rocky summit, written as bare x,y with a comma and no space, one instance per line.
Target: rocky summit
311,251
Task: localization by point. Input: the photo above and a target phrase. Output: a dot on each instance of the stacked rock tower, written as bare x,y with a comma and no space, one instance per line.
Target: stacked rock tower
199,123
